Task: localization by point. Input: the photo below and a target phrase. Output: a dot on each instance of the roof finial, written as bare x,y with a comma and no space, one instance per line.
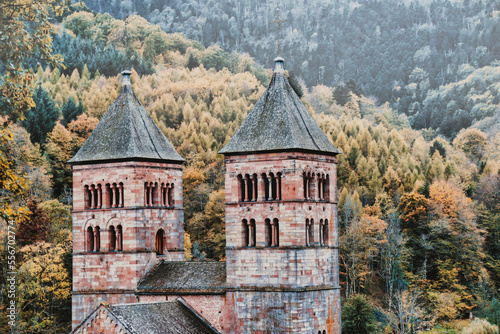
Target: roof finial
125,42
278,22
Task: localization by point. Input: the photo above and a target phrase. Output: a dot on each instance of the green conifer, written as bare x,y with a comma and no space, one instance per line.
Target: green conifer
41,119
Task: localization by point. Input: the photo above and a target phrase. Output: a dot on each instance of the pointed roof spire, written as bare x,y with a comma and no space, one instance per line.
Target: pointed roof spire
279,121
126,132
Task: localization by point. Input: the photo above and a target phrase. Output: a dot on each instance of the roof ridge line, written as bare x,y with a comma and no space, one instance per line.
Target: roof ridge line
294,100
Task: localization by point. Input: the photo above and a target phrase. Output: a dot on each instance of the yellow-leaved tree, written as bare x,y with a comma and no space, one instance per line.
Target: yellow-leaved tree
25,29
44,288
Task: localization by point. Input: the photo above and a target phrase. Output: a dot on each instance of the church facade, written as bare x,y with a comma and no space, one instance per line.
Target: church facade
281,268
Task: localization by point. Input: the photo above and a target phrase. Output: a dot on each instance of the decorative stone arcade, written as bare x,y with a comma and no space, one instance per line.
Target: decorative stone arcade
127,205
281,219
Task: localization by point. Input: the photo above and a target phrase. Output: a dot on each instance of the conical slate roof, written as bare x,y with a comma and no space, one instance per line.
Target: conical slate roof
279,121
126,132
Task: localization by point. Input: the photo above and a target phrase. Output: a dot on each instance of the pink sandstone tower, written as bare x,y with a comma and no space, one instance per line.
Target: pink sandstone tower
281,219
127,205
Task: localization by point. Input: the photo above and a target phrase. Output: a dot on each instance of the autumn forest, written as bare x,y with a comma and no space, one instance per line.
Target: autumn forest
413,104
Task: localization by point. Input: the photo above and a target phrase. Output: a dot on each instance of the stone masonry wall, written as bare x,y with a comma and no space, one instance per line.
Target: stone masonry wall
108,272
291,287
284,312
83,305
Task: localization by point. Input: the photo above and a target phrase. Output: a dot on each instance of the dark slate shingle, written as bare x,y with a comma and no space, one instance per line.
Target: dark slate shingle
185,277
172,317
279,121
126,132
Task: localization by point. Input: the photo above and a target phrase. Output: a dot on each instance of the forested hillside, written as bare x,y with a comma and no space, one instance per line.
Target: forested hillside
419,213
404,53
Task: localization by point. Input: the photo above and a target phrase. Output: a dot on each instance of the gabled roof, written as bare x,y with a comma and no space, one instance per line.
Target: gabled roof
126,132
169,317
279,121
185,278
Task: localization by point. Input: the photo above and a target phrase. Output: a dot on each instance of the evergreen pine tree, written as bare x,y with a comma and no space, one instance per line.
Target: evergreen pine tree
41,119
342,94
70,111
192,62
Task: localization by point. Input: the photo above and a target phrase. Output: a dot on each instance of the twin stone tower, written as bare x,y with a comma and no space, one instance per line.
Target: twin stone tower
281,268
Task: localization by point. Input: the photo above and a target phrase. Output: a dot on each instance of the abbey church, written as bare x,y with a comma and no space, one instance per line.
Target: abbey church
281,268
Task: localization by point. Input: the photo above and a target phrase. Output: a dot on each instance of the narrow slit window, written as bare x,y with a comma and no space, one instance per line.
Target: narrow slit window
249,187
307,232
171,195
255,188
325,233
311,233
241,187
252,233
160,242
279,186
265,182
275,233
119,238
246,233
274,187
97,236
112,238
86,197
90,239
268,232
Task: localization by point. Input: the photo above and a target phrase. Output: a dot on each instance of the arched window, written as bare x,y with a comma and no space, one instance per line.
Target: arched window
146,194
311,233
160,242
304,180
320,186
278,177
112,238
326,188
90,239
108,196
249,188
275,233
255,187
241,186
86,197
265,183
252,233
119,238
246,233
274,188
310,182
320,232
307,232
171,195
268,233
155,201
325,233
163,194
97,236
